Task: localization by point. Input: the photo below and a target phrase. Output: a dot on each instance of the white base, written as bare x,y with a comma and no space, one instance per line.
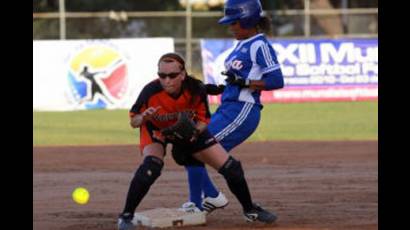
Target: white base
166,217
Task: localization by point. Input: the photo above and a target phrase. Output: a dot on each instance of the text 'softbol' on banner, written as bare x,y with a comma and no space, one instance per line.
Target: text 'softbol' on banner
314,70
94,74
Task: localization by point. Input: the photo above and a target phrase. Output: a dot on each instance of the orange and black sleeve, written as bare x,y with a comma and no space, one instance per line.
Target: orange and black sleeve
142,101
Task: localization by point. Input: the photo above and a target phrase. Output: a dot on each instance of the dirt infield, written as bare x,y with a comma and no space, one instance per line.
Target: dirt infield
310,185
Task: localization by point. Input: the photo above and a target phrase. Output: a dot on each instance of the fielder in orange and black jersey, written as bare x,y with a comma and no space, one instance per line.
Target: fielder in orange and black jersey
153,95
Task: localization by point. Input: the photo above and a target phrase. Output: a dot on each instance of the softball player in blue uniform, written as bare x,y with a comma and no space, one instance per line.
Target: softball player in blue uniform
251,67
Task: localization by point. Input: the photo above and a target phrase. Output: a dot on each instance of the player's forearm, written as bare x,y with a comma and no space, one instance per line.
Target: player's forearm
270,81
273,80
139,119
257,84
265,85
136,121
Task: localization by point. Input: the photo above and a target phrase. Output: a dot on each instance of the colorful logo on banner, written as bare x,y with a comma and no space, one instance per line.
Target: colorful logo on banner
97,76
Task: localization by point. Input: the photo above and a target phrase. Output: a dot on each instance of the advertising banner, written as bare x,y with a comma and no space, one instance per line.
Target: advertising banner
314,70
93,74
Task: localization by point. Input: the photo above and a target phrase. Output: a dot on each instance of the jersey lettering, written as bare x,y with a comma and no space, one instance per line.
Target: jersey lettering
237,64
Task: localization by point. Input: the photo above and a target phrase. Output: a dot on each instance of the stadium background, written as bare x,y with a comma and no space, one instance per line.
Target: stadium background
70,148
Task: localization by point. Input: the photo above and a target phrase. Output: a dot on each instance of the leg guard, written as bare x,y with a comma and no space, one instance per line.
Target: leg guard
232,170
149,170
144,177
235,178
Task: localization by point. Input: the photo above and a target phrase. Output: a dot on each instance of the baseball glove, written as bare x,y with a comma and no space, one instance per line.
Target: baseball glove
183,130
234,79
212,89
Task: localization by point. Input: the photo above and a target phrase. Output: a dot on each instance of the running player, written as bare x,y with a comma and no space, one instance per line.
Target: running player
251,67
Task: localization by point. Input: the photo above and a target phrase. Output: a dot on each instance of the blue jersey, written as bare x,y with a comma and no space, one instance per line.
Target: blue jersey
251,59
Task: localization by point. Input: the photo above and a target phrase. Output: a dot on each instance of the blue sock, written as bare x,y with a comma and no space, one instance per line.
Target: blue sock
207,185
195,175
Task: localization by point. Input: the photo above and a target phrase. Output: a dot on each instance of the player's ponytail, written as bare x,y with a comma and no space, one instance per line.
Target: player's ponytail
265,25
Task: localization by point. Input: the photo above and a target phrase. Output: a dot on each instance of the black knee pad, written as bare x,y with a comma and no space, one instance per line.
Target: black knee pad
149,170
232,170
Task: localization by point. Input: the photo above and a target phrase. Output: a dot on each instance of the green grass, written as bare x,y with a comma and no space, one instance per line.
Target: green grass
299,121
318,121
92,127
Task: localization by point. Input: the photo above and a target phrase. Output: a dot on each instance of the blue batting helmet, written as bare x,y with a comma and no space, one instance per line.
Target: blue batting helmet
247,12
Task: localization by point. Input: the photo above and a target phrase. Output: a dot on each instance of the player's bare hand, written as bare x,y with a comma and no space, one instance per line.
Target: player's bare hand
139,119
148,113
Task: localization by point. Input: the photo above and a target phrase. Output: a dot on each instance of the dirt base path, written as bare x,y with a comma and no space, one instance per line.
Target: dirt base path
310,185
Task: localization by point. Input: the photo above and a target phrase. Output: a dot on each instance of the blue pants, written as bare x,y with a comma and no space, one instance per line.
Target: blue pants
234,122
231,124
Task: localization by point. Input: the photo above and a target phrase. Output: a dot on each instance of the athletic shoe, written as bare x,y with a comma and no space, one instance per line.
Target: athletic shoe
125,221
260,214
209,204
189,207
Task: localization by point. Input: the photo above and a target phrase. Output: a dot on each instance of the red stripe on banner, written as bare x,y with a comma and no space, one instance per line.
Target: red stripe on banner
116,83
316,94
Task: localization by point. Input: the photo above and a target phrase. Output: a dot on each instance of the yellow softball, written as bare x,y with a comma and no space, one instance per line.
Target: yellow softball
81,195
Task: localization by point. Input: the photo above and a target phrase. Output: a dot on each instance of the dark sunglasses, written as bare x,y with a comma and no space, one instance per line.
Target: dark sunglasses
170,75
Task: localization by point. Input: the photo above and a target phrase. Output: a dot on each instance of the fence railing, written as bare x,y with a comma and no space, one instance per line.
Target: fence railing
189,41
